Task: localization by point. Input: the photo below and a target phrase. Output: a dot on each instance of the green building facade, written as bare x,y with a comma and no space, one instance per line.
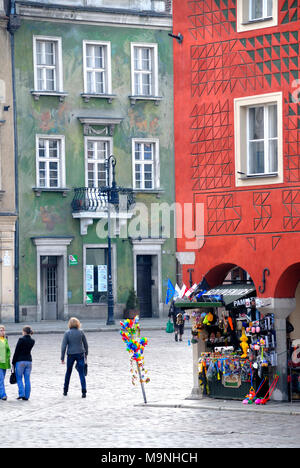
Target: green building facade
92,82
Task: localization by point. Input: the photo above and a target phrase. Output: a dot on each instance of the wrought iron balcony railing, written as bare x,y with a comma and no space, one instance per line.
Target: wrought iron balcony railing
96,199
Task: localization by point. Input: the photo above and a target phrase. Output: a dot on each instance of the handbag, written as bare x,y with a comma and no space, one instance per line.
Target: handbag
85,366
85,369
13,378
169,327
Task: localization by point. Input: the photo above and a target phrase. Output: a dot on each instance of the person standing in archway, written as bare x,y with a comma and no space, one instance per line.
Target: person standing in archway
176,313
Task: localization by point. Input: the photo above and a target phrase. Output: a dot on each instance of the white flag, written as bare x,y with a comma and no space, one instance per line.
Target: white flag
182,291
191,290
177,291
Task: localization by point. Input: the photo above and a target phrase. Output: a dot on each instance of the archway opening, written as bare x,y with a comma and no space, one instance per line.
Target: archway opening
288,286
294,317
288,282
227,273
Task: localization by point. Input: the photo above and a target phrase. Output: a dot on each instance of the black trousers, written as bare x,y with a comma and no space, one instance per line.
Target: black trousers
79,359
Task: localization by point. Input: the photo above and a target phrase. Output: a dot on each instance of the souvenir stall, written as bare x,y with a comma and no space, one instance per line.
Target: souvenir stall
236,342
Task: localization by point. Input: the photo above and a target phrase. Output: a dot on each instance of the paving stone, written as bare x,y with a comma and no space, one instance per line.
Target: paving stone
113,414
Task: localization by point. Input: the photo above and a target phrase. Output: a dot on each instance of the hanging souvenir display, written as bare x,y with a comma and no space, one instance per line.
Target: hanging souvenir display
197,324
218,365
244,344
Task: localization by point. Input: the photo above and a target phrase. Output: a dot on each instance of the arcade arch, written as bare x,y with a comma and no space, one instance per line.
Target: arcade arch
294,317
288,286
227,273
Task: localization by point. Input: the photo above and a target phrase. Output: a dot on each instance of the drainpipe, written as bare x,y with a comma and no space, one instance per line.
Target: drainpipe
13,25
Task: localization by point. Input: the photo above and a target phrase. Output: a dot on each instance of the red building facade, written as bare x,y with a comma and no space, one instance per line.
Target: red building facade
237,145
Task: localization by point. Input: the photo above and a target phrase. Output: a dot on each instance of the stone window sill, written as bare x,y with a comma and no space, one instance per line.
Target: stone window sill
257,176
155,99
259,20
156,191
62,190
87,96
38,94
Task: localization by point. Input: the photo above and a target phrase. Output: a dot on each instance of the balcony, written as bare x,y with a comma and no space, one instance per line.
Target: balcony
91,204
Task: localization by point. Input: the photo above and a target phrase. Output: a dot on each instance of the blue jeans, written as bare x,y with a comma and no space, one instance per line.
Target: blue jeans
79,358
23,369
2,387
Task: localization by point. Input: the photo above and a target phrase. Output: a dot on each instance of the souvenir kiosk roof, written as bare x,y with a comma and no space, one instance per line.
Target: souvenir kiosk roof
220,296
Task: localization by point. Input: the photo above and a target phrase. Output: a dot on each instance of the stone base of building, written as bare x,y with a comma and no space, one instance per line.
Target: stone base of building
30,313
7,314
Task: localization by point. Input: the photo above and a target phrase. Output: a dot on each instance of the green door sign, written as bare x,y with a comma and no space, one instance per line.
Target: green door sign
73,259
89,299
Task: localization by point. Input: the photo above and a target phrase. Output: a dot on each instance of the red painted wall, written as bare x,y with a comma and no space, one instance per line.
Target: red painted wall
258,227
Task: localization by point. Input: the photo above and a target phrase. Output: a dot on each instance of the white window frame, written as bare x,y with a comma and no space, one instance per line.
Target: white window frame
114,271
265,14
244,21
92,138
241,135
58,63
155,164
266,140
106,70
47,160
153,72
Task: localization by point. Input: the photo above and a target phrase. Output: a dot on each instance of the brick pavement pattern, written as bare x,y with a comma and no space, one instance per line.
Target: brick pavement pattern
111,417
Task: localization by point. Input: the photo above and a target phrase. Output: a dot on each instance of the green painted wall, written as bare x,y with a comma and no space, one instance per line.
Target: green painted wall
51,214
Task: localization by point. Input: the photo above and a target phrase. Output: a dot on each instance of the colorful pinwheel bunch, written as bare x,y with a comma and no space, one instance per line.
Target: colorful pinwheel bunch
135,345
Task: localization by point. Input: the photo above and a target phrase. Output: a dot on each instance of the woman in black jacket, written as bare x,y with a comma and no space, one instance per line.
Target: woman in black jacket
22,362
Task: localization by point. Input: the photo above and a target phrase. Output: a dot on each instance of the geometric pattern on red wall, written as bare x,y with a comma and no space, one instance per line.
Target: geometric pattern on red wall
216,17
211,17
291,202
288,11
246,64
263,209
211,146
292,139
223,215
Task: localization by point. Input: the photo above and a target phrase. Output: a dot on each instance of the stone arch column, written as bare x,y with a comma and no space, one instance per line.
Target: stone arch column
281,308
282,305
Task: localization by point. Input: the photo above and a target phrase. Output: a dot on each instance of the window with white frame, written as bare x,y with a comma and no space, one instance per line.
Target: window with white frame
47,64
50,161
97,152
144,64
97,67
256,14
262,142
258,139
145,164
260,9
95,275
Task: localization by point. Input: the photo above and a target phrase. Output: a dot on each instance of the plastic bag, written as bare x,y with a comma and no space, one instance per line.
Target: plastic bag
169,327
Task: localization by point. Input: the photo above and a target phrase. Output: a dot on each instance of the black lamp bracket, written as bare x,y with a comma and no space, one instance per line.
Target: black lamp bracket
179,37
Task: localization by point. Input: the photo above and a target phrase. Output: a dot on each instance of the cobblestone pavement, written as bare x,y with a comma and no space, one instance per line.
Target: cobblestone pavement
110,416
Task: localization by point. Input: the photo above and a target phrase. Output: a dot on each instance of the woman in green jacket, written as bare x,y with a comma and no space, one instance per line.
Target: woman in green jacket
4,361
